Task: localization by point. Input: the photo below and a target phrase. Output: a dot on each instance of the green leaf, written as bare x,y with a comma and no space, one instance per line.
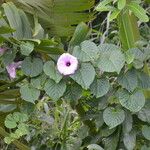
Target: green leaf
17,20
29,93
9,57
73,92
20,117
10,122
26,48
80,34
143,80
49,47
129,80
85,75
87,51
7,107
144,113
114,14
129,57
127,124
100,87
111,59
128,30
129,140
146,132
132,101
38,82
32,67
8,140
94,147
121,4
5,29
55,90
102,4
113,116
111,142
138,11
51,71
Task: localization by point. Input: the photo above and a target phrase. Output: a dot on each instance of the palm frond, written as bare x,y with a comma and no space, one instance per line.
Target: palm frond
59,17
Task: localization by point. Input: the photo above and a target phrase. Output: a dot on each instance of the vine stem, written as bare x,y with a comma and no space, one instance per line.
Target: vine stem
18,144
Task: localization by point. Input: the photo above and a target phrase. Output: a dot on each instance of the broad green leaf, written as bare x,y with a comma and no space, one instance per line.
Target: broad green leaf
132,101
94,147
121,4
128,30
114,14
138,11
80,34
55,90
99,120
5,29
100,87
106,132
51,71
87,51
10,122
29,93
111,59
139,57
146,132
17,20
26,48
128,80
7,107
111,142
32,67
38,82
73,92
128,122
85,75
113,116
143,80
9,56
144,113
129,140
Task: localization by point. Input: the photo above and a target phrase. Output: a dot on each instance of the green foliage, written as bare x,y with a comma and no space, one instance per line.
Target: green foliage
113,116
16,120
100,87
29,93
104,104
85,75
17,20
32,67
51,71
55,90
146,132
87,51
26,48
111,58
132,101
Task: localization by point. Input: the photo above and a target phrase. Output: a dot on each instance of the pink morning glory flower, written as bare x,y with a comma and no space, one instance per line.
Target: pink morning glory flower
67,64
11,69
2,50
